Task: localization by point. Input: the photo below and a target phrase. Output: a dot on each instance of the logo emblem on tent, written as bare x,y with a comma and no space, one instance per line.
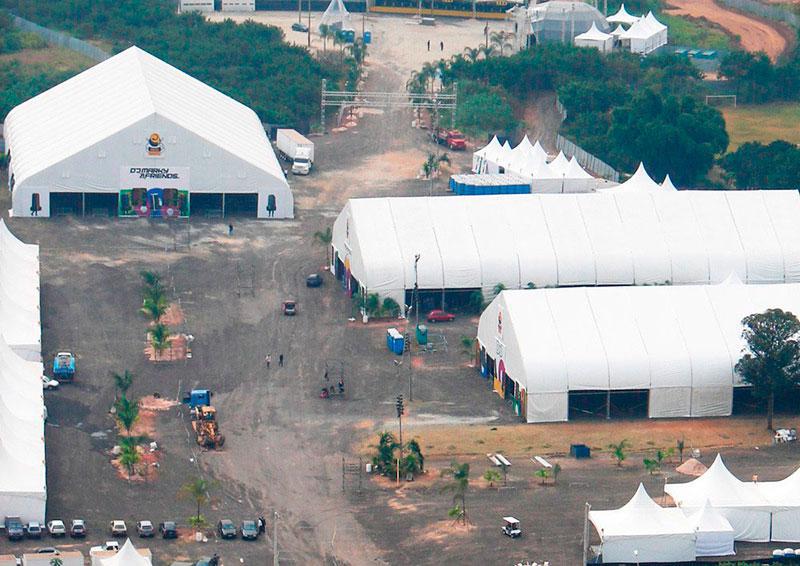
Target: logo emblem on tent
154,144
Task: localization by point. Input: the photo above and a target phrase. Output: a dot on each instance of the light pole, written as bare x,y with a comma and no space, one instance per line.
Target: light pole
400,410
309,24
275,561
299,11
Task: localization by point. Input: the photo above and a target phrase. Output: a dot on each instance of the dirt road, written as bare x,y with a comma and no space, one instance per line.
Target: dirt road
755,35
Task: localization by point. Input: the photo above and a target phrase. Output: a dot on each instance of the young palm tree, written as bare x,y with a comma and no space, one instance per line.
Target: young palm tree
151,279
433,164
618,451
129,456
325,237
123,381
159,337
198,491
154,306
413,447
459,487
500,40
471,54
127,413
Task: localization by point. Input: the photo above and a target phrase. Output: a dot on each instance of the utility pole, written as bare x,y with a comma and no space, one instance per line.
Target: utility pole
486,34
400,410
299,11
275,540
309,24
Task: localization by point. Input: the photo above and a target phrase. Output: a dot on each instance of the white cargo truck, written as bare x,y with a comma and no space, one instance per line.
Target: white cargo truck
298,149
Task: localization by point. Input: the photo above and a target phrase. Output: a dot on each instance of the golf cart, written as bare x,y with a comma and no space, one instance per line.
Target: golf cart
511,528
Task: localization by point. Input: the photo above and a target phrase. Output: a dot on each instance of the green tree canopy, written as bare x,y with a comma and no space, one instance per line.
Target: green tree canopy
772,363
757,166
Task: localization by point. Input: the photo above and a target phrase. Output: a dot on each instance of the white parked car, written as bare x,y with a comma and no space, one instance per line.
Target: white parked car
56,528
118,528
111,545
48,383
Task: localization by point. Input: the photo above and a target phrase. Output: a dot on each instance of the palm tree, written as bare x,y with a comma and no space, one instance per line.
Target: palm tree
459,487
150,278
325,237
486,50
127,412
198,491
500,40
413,447
154,305
129,456
123,382
384,460
433,163
159,337
323,33
618,451
471,54
491,476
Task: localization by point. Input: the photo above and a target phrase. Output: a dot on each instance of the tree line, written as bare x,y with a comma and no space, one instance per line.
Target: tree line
620,107
250,62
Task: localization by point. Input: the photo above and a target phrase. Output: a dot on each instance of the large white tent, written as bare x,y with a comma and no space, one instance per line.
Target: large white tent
20,321
785,496
714,532
642,531
622,17
135,136
336,16
128,555
678,345
743,504
626,238
604,42
645,36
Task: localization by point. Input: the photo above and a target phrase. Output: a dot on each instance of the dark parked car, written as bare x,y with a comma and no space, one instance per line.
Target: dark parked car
298,26
249,530
78,528
314,280
440,316
14,528
226,529
168,529
289,308
47,550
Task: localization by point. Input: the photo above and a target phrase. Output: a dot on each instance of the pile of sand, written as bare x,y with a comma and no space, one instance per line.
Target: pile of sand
692,467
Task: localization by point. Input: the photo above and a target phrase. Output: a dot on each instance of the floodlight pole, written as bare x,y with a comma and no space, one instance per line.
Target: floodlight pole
309,24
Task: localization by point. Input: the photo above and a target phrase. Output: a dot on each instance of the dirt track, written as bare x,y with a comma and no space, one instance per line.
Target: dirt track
755,35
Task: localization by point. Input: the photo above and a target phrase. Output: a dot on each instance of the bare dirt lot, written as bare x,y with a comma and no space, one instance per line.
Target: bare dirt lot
285,446
755,34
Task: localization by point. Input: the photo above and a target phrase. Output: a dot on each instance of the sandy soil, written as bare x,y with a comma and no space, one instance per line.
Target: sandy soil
755,34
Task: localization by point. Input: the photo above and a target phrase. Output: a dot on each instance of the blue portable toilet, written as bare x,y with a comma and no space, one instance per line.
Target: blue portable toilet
395,341
367,37
422,335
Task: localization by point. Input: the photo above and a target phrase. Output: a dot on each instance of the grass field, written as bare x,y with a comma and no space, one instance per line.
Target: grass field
764,123
695,33
58,59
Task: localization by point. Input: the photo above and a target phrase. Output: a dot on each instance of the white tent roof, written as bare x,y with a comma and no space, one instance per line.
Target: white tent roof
490,149
20,325
680,342
127,556
618,31
667,184
654,24
714,532
656,534
559,165
609,238
575,171
622,17
639,182
641,29
336,14
118,93
593,34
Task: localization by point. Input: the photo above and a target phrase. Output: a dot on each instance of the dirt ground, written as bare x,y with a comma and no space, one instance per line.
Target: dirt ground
754,34
286,448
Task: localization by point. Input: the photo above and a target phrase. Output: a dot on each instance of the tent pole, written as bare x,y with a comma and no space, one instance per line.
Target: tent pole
608,405
83,204
585,533
223,205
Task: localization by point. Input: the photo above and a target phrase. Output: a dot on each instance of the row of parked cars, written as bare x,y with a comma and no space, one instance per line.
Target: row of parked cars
15,530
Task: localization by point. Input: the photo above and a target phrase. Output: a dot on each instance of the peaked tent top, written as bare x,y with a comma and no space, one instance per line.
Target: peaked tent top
720,487
127,556
732,279
594,34
709,520
622,17
575,171
667,184
559,165
619,30
490,148
336,15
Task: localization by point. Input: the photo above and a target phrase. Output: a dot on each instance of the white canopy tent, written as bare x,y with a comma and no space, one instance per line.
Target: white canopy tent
714,532
741,503
481,157
639,182
575,171
336,16
622,17
785,496
641,531
677,344
127,556
603,42
606,238
667,184
20,326
645,36
618,31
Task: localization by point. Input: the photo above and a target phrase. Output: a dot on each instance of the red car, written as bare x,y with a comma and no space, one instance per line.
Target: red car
440,316
453,139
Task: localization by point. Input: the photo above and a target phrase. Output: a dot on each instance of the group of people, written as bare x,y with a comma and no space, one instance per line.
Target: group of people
268,360
441,45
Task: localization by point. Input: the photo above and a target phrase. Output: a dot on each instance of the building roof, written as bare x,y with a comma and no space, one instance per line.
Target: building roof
119,92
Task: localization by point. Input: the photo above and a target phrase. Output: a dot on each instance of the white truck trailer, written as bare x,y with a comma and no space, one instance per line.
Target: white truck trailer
298,149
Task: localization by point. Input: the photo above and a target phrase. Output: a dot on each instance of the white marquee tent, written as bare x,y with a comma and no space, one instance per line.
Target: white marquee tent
714,532
742,503
601,41
20,321
127,556
642,531
622,17
679,344
609,238
645,36
135,123
785,495
336,16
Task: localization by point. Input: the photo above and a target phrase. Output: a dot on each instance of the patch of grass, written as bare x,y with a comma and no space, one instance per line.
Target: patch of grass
37,60
764,123
697,33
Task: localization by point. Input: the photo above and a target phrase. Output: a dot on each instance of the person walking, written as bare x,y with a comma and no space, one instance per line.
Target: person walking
441,45
268,359
230,229
429,45
280,360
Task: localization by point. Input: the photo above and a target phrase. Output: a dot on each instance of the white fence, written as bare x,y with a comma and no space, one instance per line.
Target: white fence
62,39
586,159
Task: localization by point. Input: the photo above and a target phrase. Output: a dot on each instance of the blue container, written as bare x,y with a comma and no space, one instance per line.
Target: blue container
395,341
579,451
349,35
422,334
367,37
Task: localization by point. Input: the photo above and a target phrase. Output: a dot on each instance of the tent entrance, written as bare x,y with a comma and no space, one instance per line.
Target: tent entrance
745,403
608,404
65,203
101,204
451,300
241,204
208,205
